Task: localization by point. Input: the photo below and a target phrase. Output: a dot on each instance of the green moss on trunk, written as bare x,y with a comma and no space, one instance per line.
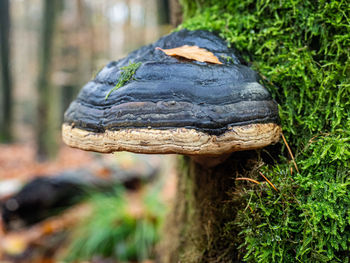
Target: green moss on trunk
301,49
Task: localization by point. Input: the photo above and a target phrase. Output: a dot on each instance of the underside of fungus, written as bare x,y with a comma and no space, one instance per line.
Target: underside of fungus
176,140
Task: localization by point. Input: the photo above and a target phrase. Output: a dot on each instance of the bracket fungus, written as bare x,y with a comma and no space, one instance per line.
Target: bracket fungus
174,105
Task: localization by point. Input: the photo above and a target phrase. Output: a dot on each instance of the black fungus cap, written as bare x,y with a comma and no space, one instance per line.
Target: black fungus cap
170,103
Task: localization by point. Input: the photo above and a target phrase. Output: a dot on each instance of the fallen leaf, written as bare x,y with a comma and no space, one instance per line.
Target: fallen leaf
14,245
192,52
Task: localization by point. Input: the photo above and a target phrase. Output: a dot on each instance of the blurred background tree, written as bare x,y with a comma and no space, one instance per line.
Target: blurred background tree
56,47
5,73
46,124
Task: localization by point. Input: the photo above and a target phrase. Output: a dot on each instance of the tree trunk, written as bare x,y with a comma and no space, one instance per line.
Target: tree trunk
5,77
207,200
46,132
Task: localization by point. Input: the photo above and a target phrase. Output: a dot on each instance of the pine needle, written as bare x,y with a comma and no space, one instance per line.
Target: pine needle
267,180
247,179
290,153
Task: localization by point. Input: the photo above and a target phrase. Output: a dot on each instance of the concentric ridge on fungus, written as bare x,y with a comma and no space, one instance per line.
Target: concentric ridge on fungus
174,106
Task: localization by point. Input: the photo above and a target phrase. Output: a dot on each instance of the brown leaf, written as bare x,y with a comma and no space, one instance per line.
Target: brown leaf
192,52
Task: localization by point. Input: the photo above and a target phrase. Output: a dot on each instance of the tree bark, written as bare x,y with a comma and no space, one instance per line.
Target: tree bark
5,77
207,200
46,134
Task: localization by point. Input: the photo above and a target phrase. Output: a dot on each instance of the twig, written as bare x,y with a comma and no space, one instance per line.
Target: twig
267,180
290,153
247,179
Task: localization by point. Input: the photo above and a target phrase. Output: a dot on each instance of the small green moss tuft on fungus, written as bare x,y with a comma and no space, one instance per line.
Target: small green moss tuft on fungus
127,73
302,49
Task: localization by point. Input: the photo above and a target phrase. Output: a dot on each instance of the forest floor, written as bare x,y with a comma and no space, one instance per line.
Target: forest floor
18,165
18,161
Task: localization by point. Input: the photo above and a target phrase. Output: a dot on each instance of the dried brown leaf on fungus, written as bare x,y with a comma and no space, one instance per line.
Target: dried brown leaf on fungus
192,52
